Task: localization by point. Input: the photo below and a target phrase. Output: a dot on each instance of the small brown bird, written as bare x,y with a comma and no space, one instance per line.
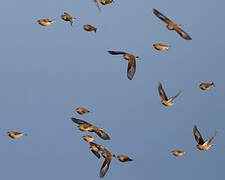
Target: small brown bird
131,69
177,153
205,86
15,135
171,25
88,27
105,166
95,148
88,138
161,47
123,158
165,101
82,111
67,17
202,145
85,126
103,2
46,22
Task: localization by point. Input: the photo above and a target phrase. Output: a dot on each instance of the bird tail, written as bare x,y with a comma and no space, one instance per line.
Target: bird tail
95,29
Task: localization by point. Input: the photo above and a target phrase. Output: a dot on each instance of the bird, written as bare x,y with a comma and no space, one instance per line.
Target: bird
131,69
103,2
85,126
123,158
88,138
15,135
105,166
202,145
46,22
165,101
95,148
88,27
67,17
178,153
171,25
81,110
205,86
161,47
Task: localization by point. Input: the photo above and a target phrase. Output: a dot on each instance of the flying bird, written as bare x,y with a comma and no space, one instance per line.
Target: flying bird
123,158
15,135
161,47
202,145
88,138
171,25
165,101
103,2
82,111
85,126
105,166
95,148
205,86
131,69
177,153
88,27
67,17
46,22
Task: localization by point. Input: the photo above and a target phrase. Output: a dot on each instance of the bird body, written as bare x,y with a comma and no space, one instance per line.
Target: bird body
177,153
161,47
88,27
123,158
67,17
105,2
205,86
82,111
95,148
15,135
88,138
46,22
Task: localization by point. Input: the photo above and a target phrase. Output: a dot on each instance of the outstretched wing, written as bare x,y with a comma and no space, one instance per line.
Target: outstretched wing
210,139
102,134
198,136
96,154
183,34
79,121
131,69
116,52
105,167
162,93
162,17
172,98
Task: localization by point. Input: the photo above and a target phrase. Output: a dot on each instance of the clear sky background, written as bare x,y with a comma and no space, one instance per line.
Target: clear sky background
46,72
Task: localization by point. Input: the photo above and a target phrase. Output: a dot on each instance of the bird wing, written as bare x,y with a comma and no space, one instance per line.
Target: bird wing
79,121
198,136
105,167
162,17
116,52
162,92
97,4
131,68
96,154
172,98
182,33
210,139
101,133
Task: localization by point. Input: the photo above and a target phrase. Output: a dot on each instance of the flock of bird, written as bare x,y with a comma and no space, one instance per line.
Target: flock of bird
131,69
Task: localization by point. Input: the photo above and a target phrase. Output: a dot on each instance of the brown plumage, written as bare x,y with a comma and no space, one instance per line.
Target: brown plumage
67,17
131,69
205,86
95,148
88,27
88,138
105,166
85,126
202,145
45,22
15,135
123,158
103,2
165,101
178,153
82,111
161,47
171,25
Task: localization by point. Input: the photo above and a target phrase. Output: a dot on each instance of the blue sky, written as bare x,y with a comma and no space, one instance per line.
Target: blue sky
47,72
